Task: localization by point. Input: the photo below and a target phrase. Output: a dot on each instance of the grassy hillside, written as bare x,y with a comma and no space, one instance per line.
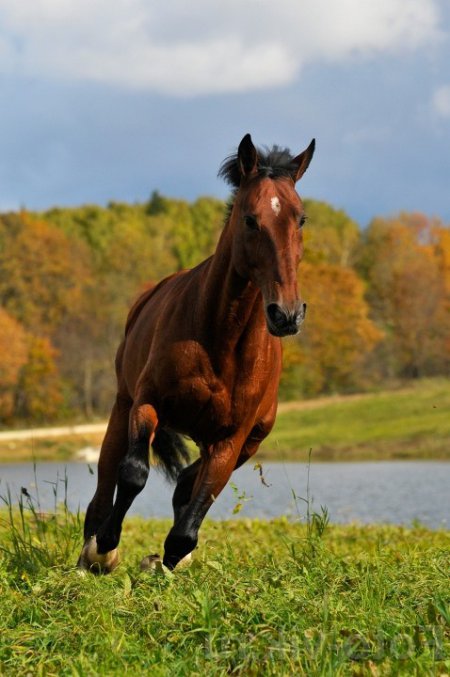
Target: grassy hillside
271,598
413,422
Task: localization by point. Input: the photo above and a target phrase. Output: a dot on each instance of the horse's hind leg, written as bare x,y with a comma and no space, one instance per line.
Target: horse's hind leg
132,473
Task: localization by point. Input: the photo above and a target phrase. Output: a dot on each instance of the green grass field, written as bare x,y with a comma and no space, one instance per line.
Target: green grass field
261,598
411,422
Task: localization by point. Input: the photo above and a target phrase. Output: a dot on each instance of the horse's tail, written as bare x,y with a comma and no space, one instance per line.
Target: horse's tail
171,451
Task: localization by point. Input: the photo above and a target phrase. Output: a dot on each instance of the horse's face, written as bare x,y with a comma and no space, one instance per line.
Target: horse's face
268,239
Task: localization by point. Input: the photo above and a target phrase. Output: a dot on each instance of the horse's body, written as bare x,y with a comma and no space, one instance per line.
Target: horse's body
202,357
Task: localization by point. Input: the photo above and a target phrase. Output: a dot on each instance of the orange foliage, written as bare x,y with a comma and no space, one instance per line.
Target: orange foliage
14,351
337,335
406,261
41,273
39,387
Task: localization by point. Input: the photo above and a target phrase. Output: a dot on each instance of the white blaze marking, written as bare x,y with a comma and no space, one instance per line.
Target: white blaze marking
275,204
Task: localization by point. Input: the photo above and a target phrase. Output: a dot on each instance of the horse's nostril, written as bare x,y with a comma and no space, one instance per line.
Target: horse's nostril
275,314
303,309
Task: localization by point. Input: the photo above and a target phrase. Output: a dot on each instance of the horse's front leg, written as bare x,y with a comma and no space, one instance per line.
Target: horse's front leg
100,551
213,472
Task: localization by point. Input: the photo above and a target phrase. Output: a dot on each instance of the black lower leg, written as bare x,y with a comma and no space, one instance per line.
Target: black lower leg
181,540
183,490
132,476
183,537
212,474
95,516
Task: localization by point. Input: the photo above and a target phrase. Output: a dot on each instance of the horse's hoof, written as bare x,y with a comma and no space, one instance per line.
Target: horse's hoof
185,562
153,562
91,560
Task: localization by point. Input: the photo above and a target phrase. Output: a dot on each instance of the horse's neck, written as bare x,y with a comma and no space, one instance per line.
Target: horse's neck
231,303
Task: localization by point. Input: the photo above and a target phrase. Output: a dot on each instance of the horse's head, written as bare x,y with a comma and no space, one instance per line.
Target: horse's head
267,217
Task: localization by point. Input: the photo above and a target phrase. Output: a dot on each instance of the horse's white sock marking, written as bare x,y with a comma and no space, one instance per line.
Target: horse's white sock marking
90,556
185,562
275,204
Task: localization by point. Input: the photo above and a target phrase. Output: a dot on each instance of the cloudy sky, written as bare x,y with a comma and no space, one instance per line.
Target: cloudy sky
104,100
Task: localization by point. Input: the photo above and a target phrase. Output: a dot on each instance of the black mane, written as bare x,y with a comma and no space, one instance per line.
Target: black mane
273,162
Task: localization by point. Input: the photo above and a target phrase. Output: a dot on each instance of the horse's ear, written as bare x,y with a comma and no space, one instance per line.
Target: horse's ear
247,157
302,161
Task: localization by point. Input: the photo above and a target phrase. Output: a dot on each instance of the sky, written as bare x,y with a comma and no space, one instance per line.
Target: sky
107,101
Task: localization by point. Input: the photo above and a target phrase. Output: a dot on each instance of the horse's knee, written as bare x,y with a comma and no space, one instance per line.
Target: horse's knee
134,468
133,474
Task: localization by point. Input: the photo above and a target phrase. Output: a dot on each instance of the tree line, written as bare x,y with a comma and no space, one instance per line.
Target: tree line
378,299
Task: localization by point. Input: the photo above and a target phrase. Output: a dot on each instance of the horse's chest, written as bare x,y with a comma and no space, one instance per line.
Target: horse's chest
199,408
203,402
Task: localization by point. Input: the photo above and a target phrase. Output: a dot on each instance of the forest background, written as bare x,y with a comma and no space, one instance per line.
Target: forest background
378,299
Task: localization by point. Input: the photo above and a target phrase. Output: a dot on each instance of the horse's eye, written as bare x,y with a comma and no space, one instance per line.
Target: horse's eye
302,221
251,222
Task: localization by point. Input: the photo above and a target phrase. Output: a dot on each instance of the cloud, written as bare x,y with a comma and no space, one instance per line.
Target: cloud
441,101
202,47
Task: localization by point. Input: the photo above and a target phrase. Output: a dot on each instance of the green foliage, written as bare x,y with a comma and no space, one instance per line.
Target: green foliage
198,227
68,277
331,236
256,600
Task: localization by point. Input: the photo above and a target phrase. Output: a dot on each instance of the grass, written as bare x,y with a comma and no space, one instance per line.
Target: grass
412,422
407,423
261,598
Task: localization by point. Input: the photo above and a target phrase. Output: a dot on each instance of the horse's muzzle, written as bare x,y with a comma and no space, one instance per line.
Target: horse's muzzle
283,322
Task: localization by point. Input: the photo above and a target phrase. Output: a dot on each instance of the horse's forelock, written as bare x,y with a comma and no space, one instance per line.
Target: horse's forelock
274,162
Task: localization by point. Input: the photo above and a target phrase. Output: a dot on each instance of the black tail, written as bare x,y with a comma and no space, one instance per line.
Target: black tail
172,452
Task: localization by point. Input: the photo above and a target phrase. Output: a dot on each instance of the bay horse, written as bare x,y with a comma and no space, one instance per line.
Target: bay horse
201,358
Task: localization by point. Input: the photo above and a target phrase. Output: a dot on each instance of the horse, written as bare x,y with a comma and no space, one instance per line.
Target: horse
202,358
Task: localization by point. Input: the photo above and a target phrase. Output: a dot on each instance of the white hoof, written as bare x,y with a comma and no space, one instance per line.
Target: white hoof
185,562
153,562
92,560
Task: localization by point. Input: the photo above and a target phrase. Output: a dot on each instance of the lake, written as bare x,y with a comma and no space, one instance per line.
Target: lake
391,492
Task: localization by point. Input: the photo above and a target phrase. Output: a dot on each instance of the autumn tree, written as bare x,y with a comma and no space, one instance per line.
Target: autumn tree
68,276
14,353
404,262
39,389
330,353
41,273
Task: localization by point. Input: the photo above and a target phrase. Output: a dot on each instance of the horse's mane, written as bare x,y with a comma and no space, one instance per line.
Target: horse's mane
273,162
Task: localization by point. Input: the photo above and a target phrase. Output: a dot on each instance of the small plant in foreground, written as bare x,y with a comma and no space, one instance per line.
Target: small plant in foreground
29,545
316,522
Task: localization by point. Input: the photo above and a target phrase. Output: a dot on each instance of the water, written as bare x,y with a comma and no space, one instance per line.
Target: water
391,492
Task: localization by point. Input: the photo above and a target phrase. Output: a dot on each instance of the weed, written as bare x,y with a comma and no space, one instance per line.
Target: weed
30,542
